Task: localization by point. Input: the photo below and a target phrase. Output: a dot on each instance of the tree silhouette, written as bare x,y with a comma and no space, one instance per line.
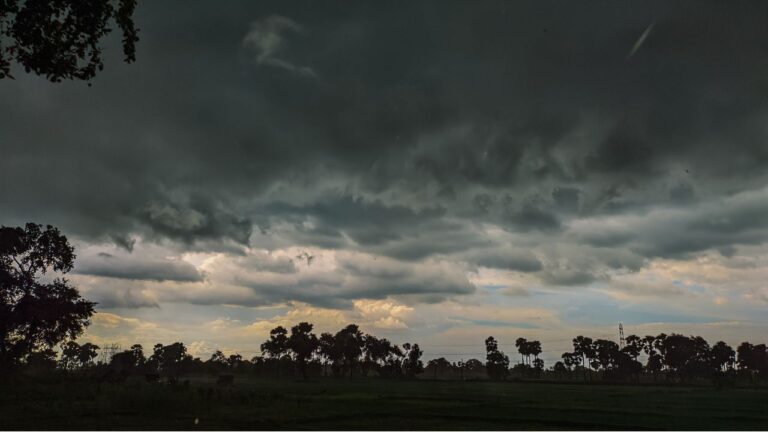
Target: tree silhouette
392,361
129,360
538,366
303,343
685,356
582,347
613,362
276,346
438,365
412,364
87,353
571,360
522,348
723,356
497,364
349,342
534,349
169,359
43,360
461,365
605,353
217,363
376,353
70,352
560,369
36,313
633,346
330,352
473,365
235,361
753,359
61,39
219,358
74,355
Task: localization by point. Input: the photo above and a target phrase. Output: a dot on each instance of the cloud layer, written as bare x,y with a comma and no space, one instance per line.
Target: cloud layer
421,153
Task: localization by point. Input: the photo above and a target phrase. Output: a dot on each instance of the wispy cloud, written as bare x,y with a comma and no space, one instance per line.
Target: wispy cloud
266,38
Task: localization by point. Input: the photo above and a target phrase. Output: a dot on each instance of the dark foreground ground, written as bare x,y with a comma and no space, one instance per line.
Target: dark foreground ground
375,404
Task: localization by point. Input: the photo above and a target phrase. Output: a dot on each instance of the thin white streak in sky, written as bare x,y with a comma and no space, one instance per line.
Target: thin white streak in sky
641,39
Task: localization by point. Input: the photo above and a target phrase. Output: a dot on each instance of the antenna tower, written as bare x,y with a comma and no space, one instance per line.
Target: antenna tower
108,351
622,341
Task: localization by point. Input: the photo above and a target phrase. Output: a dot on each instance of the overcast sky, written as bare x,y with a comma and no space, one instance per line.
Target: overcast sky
437,172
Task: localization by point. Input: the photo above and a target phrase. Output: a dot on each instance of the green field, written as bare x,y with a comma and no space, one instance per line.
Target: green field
376,404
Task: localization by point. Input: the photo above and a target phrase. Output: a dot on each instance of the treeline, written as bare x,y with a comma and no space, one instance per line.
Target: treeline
295,353
38,314
673,357
300,353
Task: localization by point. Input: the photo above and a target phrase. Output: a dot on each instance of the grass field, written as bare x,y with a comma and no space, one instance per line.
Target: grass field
377,404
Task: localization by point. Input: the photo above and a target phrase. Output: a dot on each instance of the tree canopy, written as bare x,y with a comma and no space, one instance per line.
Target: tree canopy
37,314
62,39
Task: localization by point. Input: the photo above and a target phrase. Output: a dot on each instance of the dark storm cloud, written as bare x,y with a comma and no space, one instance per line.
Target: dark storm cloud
355,277
678,232
365,222
566,277
566,199
136,267
199,220
504,259
403,128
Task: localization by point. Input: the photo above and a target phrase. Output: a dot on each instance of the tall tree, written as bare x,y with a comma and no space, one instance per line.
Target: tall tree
87,353
235,361
303,343
412,364
61,39
753,359
218,358
723,356
330,352
74,355
633,347
522,348
375,352
571,360
37,313
169,359
69,355
276,347
277,344
582,347
534,349
129,360
349,342
685,356
392,360
497,364
605,353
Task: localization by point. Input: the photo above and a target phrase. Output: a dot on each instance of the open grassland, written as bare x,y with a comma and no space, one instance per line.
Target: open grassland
376,404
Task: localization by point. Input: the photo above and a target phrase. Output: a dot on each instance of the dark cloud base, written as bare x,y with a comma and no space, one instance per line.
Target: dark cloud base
407,129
